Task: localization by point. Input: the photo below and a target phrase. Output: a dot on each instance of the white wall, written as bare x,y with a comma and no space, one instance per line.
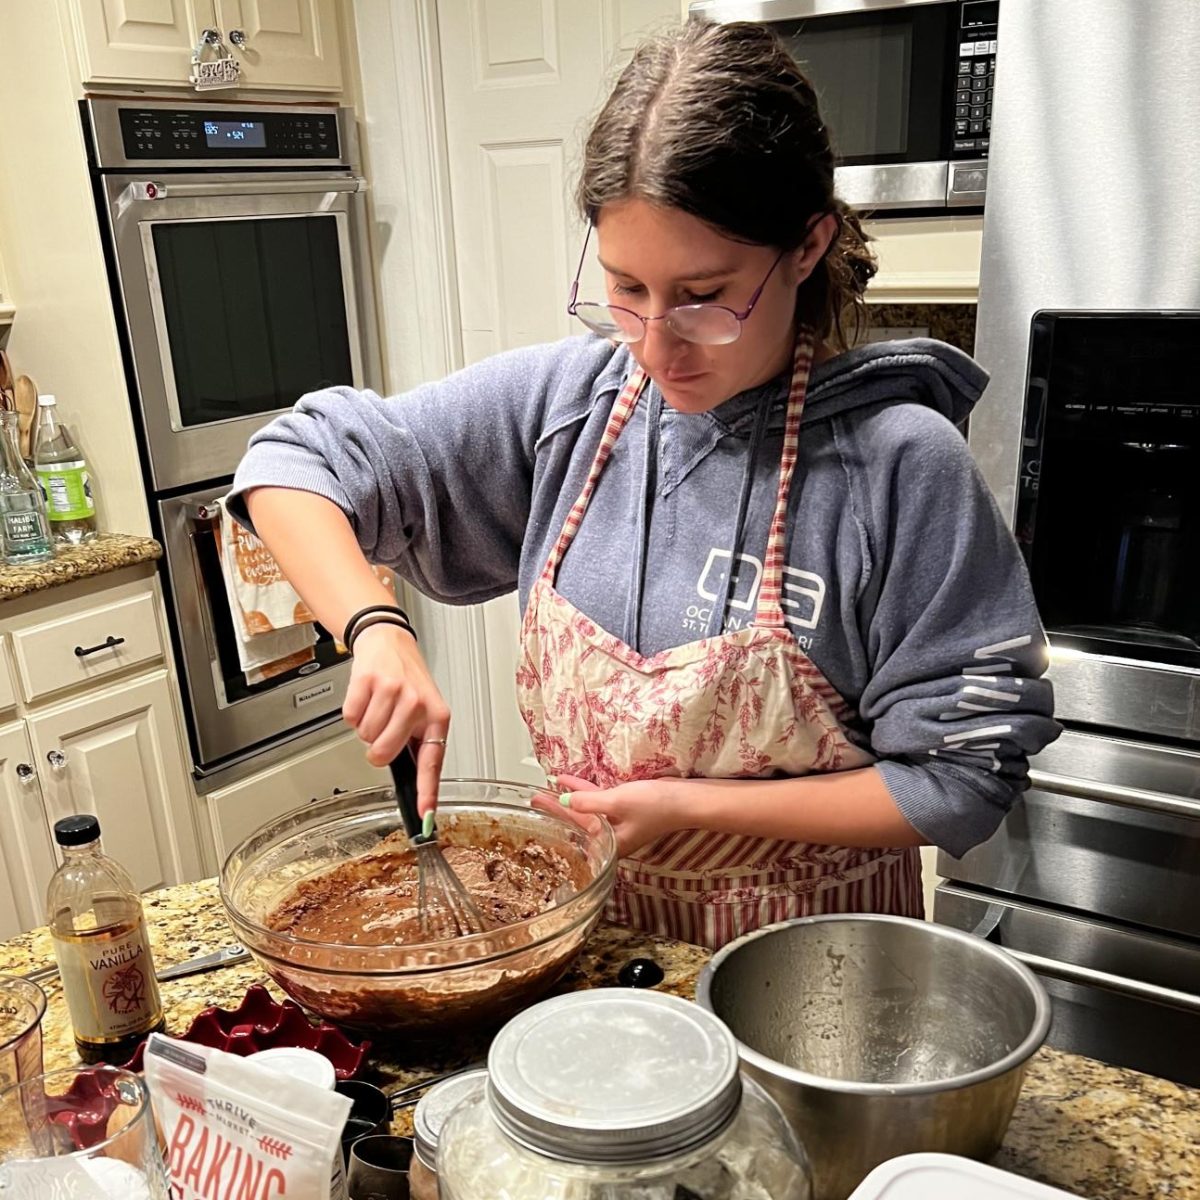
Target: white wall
64,335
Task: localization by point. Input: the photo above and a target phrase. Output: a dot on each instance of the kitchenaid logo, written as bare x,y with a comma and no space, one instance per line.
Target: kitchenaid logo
300,699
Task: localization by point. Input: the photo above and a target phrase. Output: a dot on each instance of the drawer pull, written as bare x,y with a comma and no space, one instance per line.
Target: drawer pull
57,759
108,643
25,773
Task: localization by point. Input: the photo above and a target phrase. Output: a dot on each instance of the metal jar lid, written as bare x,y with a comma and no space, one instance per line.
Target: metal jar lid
436,1105
613,1076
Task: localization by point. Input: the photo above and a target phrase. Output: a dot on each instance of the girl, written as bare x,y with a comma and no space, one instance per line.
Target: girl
775,630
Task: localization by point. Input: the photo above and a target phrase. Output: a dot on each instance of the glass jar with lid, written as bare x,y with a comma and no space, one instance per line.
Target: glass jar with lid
618,1095
436,1106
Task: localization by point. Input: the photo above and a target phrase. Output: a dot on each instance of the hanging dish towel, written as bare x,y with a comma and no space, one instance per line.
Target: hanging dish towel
274,626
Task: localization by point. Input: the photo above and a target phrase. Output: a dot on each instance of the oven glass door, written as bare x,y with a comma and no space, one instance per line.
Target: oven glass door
240,293
252,313
1109,505
883,77
227,714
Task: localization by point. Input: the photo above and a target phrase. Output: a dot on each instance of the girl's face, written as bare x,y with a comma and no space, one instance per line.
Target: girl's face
656,258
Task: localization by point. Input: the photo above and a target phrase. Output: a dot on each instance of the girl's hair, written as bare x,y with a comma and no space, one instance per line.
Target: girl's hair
720,122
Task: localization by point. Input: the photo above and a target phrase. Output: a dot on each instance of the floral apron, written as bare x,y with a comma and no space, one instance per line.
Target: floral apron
747,704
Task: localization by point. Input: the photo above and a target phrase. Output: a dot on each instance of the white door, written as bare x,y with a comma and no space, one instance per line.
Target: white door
521,79
139,41
116,754
288,44
26,857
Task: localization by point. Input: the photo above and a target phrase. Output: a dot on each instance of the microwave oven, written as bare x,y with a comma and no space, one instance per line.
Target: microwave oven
905,88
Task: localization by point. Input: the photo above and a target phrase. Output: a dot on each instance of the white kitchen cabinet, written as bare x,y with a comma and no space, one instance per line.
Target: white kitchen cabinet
26,855
139,41
285,45
101,732
926,260
115,752
288,44
339,765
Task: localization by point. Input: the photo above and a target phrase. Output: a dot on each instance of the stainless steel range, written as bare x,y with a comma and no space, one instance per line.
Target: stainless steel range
237,246
1089,434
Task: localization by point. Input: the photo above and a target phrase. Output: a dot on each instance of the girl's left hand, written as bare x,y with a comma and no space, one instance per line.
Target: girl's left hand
639,812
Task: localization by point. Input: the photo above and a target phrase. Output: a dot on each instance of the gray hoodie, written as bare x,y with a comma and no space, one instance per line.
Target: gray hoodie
902,582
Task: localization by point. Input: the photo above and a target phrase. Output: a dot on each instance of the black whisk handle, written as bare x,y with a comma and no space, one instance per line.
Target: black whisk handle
404,779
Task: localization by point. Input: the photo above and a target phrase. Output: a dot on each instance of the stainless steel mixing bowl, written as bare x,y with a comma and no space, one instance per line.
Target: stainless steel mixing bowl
879,1036
432,987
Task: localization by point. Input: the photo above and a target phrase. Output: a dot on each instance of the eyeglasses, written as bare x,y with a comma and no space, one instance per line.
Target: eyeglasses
705,324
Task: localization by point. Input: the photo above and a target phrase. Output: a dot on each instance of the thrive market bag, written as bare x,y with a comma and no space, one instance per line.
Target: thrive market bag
233,1130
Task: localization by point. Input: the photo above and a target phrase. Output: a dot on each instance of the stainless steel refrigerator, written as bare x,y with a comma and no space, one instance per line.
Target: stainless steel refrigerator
1089,435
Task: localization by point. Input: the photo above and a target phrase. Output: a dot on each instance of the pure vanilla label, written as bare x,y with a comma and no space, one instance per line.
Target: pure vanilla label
109,982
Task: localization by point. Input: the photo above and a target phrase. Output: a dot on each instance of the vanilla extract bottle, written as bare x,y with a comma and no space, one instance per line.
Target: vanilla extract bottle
100,941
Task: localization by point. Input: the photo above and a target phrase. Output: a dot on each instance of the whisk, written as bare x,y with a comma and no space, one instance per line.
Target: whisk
444,906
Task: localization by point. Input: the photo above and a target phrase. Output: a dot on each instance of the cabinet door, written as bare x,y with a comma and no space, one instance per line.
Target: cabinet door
288,44
139,41
26,857
116,753
339,765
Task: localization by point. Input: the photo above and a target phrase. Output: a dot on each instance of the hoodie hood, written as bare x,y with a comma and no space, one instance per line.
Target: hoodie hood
914,371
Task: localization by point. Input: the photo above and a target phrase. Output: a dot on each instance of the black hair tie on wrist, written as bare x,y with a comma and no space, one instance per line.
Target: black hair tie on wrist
379,619
390,614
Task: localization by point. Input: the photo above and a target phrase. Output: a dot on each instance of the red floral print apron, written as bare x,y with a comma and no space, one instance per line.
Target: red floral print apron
743,705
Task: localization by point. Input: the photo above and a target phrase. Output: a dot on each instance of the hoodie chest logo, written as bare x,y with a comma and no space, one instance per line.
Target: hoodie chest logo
803,595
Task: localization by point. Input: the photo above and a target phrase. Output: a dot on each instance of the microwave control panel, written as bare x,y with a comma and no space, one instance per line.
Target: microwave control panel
975,78
164,133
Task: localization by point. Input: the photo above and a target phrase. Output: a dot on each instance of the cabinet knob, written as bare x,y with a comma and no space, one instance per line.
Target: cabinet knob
25,772
57,759
237,37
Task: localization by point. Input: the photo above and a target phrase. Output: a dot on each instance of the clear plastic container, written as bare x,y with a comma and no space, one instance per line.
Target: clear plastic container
65,479
618,1095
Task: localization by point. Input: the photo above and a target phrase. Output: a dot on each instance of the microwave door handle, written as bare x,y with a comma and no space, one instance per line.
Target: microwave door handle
1114,793
261,187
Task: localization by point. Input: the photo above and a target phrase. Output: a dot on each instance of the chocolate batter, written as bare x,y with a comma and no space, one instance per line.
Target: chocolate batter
371,900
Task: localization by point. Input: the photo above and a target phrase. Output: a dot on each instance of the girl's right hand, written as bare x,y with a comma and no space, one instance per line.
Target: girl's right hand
392,700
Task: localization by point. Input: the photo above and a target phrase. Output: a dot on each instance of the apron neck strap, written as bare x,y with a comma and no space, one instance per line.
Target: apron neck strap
770,596
618,418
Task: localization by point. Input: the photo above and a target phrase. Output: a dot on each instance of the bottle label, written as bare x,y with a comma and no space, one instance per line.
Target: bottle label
23,527
109,982
68,490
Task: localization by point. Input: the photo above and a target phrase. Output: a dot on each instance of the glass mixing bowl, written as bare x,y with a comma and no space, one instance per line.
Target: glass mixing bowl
434,986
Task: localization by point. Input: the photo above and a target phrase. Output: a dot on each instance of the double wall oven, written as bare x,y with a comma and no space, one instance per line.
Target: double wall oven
237,250
1089,434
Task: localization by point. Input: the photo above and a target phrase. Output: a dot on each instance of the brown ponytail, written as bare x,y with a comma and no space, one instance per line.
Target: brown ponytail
720,122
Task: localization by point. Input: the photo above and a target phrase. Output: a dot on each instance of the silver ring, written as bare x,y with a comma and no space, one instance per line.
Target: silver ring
433,742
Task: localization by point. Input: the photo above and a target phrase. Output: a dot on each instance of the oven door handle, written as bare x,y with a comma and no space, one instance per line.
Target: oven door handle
259,187
1119,984
1114,793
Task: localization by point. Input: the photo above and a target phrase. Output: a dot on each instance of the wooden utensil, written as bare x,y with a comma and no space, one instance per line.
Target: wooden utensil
26,395
6,382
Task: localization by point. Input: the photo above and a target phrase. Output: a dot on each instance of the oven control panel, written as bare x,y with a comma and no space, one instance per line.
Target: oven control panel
217,133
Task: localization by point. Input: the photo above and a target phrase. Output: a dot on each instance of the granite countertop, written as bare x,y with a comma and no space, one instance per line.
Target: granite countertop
104,553
1093,1130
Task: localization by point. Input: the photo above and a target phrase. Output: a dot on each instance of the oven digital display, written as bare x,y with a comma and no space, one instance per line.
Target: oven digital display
235,135
979,13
